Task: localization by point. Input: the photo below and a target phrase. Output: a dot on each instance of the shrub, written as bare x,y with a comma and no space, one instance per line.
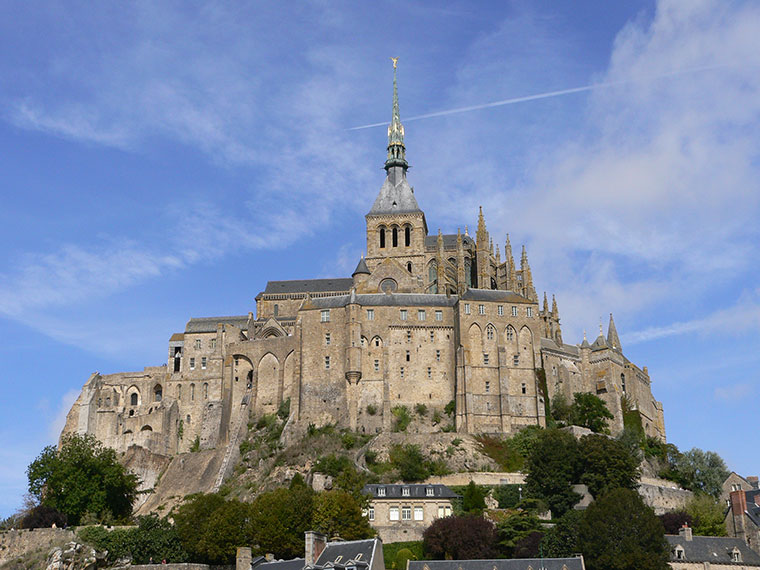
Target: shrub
421,409
371,409
402,418
450,408
437,417
370,457
283,411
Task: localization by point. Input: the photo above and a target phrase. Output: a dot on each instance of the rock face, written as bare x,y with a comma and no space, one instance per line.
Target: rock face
75,556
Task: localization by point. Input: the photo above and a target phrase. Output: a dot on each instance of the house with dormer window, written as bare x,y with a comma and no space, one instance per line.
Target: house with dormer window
689,552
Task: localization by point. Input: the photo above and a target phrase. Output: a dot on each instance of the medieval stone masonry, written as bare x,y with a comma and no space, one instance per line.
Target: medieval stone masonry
424,319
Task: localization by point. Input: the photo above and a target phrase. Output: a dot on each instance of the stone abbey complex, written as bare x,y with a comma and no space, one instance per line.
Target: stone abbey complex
424,319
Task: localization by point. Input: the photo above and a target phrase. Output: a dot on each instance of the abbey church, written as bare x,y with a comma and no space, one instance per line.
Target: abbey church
444,320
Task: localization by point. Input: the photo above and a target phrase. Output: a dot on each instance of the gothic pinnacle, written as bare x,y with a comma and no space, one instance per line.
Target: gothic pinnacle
555,310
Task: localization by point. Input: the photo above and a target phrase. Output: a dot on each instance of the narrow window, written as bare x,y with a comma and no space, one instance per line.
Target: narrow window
327,338
377,365
371,513
402,371
432,336
213,344
381,491
421,315
325,315
485,358
179,391
276,309
622,382
408,356
488,386
524,388
203,363
395,237
370,314
133,399
500,310
514,311
510,333
529,311
192,363
377,341
481,309
439,315
382,238
429,492
404,314
237,361
407,236
405,491
197,344
192,392
466,308
438,355
430,372
205,390
327,363
409,266
408,336
440,512
489,332
516,360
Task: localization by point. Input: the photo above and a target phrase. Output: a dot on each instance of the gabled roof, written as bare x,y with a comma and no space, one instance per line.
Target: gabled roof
416,491
336,553
309,286
500,564
714,549
395,196
209,324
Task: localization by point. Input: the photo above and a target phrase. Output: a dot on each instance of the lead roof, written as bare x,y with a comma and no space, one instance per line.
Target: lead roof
500,564
388,300
715,549
209,324
415,491
309,286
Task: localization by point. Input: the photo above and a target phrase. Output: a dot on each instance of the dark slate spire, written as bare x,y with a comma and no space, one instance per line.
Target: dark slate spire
396,149
361,268
612,335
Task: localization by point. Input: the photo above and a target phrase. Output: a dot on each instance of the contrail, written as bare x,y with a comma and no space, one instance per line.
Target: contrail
546,95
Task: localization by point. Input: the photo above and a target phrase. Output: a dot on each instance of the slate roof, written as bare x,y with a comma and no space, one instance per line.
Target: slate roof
416,491
387,300
494,295
209,324
309,286
500,564
395,196
714,549
753,510
361,267
341,552
449,241
566,348
295,564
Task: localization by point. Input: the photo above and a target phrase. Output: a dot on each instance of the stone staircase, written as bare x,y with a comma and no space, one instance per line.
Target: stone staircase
234,441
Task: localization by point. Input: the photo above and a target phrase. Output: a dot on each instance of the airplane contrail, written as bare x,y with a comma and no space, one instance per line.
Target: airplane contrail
546,95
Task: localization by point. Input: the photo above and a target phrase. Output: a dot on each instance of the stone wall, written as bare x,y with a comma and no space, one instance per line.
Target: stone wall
17,543
662,495
479,479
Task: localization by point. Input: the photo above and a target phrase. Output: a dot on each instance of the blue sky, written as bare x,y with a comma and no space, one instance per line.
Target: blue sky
163,160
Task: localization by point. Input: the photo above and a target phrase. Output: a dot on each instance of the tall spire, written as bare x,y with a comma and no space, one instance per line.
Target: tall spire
396,148
612,335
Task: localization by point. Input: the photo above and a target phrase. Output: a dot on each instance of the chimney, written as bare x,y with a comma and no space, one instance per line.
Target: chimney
752,481
315,543
243,558
685,532
738,502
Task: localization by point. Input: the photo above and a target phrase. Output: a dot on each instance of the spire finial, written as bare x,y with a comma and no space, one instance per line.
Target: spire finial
396,149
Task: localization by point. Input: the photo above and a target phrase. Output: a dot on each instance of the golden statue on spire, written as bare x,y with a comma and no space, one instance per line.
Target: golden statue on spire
395,62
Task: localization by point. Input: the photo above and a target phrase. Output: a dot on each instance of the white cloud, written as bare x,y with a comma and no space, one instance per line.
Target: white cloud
59,420
734,392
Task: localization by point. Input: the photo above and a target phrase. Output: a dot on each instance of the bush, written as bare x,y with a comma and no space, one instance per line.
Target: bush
410,462
371,409
502,451
436,417
450,408
348,441
391,550
402,557
402,418
370,457
196,446
42,516
333,465
421,409
283,411
460,538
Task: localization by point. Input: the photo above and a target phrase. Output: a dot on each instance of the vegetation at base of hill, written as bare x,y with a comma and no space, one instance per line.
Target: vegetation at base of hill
460,538
509,452
401,418
707,516
83,480
153,537
392,550
586,410
42,516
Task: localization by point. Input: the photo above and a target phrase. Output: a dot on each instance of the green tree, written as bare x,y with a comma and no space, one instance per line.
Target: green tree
337,513
619,532
83,477
402,557
212,528
473,499
460,538
280,518
551,470
561,540
411,463
512,530
707,516
702,471
606,464
560,408
590,411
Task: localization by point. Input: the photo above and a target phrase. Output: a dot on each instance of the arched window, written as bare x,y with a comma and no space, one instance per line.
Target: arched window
276,309
407,236
622,382
382,238
179,391
468,271
510,333
133,399
433,277
205,390
489,332
493,283
157,393
395,237
409,266
192,392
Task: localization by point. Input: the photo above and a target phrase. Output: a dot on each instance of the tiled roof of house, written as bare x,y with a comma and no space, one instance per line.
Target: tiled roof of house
712,549
500,564
415,491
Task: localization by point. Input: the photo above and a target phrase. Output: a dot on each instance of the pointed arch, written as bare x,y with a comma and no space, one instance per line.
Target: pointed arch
475,339
433,276
382,237
407,235
510,334
158,393
526,347
289,378
394,233
268,383
376,342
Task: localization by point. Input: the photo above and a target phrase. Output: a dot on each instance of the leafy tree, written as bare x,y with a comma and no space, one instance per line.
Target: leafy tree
619,532
707,515
607,464
514,529
211,528
83,477
473,499
411,463
529,546
702,471
280,518
673,521
42,516
460,538
524,440
402,557
560,408
590,411
561,540
337,513
551,470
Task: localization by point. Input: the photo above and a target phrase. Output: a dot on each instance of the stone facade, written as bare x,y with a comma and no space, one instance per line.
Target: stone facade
424,319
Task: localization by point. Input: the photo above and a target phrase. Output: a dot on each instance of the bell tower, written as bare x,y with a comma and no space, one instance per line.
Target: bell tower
396,227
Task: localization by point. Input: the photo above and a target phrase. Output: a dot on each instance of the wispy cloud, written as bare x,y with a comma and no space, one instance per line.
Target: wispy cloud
59,419
734,392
